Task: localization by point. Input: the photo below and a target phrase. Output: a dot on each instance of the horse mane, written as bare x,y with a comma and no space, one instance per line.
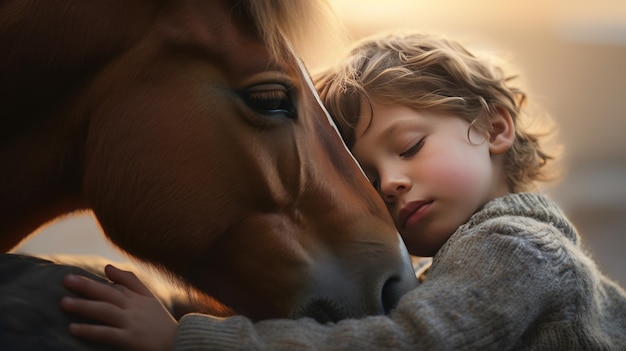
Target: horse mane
308,27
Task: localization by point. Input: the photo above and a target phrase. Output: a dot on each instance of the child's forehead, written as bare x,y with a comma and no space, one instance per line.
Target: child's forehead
377,113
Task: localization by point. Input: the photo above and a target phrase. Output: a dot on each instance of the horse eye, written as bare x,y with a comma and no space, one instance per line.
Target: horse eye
269,99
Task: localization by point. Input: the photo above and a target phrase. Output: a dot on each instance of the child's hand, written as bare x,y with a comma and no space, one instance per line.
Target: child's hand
132,317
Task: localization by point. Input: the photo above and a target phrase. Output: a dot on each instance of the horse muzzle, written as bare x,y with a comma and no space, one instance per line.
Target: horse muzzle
373,287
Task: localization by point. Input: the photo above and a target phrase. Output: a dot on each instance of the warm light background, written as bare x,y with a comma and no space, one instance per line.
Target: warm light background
572,57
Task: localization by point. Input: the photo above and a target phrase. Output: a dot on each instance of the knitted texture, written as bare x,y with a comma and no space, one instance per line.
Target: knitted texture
514,277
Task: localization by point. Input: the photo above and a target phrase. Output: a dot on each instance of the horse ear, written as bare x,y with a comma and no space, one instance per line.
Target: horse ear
501,132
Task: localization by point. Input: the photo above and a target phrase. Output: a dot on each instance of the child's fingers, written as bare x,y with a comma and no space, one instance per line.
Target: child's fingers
93,290
99,333
127,279
99,311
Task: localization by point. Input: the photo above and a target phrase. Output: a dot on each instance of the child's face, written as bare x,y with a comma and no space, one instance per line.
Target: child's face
430,175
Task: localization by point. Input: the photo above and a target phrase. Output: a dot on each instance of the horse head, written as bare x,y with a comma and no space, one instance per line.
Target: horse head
193,132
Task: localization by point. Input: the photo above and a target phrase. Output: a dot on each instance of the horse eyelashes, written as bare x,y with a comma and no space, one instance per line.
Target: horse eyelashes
269,99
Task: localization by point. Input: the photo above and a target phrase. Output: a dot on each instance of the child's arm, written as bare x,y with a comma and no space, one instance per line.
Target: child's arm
133,317
482,303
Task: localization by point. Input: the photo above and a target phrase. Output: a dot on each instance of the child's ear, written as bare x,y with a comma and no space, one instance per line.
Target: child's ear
501,132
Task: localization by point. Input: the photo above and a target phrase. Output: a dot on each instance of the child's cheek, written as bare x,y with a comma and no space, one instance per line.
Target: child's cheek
443,173
453,176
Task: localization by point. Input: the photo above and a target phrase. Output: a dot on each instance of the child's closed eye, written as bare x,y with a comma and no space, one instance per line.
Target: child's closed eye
414,149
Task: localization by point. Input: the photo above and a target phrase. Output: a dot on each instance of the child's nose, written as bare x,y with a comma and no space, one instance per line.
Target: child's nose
393,186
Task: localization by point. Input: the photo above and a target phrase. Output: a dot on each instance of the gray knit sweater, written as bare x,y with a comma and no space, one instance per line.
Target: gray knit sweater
514,277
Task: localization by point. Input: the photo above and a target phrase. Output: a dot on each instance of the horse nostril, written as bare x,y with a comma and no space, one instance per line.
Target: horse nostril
391,293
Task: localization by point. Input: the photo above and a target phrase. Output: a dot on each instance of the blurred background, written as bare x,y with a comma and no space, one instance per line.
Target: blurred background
571,55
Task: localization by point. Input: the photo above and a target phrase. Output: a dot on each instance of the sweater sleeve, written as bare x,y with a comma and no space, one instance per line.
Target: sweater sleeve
486,287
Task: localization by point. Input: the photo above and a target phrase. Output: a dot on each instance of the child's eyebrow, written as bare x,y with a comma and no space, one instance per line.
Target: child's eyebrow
399,125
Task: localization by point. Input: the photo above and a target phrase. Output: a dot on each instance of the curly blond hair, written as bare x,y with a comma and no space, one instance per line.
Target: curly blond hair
429,72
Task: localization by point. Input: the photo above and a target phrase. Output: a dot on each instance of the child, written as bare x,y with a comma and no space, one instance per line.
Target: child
437,131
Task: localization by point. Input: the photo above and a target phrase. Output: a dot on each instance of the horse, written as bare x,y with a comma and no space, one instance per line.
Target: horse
192,130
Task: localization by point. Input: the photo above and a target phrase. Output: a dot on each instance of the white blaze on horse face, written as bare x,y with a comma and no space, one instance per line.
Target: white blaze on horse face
309,82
